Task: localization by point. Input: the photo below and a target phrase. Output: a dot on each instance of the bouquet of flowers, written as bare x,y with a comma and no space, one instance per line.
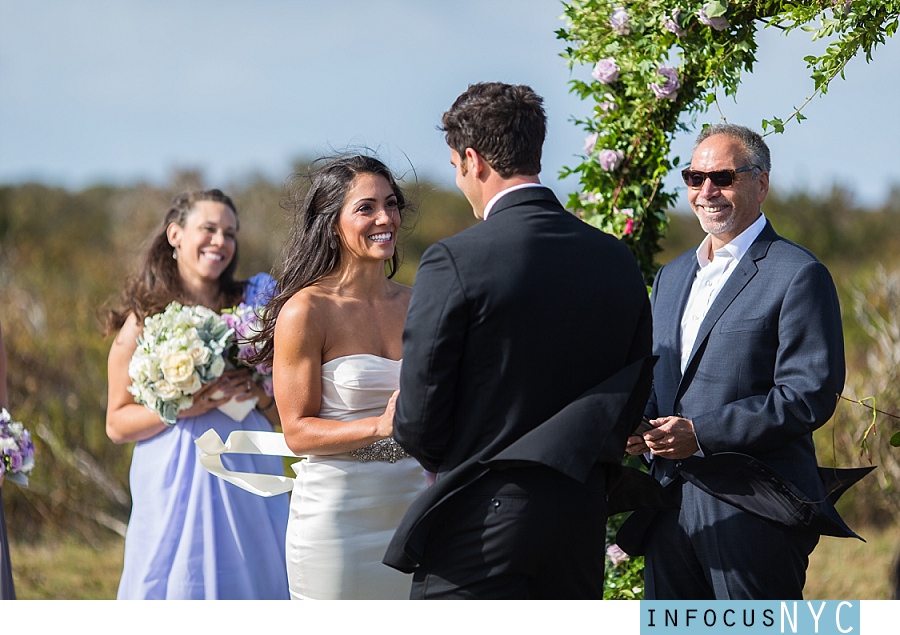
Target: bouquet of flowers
16,450
244,321
180,350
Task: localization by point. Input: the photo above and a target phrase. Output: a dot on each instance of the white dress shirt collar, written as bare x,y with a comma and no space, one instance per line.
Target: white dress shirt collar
498,195
738,246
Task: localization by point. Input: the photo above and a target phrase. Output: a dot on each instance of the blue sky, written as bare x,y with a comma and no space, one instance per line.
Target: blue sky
119,91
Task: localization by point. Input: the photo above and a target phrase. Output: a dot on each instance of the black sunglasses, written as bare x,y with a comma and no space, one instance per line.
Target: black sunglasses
720,178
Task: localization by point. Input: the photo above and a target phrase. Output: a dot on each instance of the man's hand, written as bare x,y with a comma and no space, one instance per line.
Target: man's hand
672,438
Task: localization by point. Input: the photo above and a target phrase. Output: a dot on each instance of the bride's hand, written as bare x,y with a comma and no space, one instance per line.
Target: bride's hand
386,421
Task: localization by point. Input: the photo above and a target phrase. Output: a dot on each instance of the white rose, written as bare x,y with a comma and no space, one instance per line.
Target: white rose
200,353
217,366
177,367
165,390
190,385
7,444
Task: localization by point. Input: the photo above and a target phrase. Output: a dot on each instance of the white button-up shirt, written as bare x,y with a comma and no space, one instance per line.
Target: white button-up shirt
711,277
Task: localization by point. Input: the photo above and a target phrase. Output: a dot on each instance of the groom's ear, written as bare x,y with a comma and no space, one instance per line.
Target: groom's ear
475,163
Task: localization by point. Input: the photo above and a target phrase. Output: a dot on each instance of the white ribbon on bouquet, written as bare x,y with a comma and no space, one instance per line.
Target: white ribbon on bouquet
246,442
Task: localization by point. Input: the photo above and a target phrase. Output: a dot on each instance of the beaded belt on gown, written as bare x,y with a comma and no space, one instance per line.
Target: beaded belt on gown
384,450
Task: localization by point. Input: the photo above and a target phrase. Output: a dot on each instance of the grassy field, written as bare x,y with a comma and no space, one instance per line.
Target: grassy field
842,568
839,568
66,570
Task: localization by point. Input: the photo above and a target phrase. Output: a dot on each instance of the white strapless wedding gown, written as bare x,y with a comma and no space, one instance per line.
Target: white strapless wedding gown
344,510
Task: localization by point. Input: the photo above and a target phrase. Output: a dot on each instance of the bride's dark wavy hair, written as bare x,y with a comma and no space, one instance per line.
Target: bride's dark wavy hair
156,282
313,248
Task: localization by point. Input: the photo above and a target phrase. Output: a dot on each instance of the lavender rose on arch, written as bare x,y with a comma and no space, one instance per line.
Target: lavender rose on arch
669,88
618,20
606,71
590,142
719,22
671,24
610,159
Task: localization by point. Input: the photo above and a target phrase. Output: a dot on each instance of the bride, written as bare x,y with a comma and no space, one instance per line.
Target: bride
333,336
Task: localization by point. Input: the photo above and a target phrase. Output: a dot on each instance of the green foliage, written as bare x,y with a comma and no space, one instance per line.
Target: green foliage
623,580
638,110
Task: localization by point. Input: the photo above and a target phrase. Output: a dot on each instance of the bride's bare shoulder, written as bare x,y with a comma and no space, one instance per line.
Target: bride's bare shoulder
308,307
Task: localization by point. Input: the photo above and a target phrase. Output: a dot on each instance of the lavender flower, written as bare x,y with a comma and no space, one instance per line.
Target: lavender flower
245,322
669,88
607,104
606,71
16,450
619,21
719,23
671,24
589,142
616,555
610,159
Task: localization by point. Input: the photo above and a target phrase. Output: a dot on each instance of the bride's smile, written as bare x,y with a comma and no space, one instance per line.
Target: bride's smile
369,219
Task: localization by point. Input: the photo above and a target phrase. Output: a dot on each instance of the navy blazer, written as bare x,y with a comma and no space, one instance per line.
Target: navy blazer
767,365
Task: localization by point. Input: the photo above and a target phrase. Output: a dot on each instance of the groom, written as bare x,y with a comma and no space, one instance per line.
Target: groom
510,323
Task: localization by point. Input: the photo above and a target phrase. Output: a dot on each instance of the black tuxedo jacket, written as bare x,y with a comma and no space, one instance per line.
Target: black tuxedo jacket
510,322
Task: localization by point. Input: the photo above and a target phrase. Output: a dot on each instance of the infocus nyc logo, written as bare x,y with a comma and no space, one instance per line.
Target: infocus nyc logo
818,617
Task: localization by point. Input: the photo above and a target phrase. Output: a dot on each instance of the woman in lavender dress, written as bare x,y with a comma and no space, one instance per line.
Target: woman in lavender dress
192,535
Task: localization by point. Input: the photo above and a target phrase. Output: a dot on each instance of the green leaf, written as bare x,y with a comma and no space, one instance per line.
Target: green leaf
715,8
895,440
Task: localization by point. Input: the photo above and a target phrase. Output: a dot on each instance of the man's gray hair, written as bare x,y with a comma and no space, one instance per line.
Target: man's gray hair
755,148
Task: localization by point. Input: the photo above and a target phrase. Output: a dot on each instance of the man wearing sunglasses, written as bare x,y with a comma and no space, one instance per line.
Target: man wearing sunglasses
748,330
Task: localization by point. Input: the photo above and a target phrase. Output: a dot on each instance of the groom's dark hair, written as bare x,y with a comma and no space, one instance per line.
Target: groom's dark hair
505,124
